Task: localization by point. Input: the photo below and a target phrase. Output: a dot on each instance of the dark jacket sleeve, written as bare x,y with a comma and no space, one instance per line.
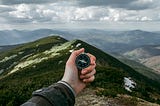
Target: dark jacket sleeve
57,94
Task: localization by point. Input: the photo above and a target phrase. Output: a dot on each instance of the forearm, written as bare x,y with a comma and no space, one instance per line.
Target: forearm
58,94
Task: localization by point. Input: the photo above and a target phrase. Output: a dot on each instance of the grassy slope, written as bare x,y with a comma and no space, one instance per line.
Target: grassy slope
29,49
150,73
109,77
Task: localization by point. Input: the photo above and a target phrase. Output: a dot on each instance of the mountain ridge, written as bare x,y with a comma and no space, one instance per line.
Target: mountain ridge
49,60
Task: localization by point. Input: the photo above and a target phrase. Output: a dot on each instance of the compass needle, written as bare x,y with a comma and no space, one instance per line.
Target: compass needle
82,61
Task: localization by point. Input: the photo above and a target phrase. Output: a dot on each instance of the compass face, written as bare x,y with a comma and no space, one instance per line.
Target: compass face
82,61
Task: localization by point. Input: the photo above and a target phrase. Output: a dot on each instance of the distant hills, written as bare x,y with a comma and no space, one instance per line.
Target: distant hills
37,64
109,41
7,47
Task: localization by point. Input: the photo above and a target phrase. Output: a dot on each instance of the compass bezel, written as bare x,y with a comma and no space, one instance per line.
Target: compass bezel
79,63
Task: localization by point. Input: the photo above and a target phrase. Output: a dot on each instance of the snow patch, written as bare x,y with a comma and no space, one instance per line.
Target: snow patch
27,63
128,84
1,71
20,52
79,44
71,51
60,62
34,66
8,58
56,49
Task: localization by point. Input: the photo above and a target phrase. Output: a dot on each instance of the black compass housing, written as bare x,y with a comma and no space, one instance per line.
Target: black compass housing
82,61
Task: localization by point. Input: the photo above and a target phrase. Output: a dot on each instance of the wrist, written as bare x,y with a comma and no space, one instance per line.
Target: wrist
68,86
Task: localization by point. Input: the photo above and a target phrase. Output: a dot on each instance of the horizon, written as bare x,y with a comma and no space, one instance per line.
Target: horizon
78,29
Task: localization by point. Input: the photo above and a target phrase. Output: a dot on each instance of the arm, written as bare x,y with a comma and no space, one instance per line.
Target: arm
63,93
57,94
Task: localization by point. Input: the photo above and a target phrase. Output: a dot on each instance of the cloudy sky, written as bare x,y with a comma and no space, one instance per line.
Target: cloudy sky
100,14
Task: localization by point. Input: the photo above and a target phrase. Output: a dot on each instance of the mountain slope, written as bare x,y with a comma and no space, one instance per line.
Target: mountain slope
152,62
143,52
147,55
42,63
144,70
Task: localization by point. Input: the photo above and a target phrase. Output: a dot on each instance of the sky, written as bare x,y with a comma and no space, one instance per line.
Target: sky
97,14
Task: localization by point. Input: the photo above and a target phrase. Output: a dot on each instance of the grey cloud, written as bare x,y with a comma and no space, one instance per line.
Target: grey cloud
126,4
6,9
10,2
104,2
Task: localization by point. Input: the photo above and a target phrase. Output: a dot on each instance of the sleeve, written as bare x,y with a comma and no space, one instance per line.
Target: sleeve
58,94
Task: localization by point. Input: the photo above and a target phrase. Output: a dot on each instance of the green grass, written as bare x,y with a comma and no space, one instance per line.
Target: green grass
17,88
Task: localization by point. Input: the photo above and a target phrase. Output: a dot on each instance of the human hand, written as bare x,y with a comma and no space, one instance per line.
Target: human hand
79,81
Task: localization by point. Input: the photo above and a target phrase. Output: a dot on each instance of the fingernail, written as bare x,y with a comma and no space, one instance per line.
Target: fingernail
83,71
84,80
81,77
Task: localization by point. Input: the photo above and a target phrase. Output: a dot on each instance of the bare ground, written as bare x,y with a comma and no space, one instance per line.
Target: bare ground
89,98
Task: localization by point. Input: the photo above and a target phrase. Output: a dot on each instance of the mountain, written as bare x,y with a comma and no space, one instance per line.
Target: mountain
149,55
40,63
108,41
143,52
7,47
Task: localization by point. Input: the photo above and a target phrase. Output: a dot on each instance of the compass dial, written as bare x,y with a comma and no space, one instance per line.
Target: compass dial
82,61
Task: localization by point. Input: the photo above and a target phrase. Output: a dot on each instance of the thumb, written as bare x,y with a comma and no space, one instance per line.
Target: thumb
75,54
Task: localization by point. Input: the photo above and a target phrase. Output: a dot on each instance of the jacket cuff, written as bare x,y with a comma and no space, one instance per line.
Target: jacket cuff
69,86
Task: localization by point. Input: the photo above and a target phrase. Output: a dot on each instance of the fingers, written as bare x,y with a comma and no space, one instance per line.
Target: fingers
88,69
92,58
88,75
91,79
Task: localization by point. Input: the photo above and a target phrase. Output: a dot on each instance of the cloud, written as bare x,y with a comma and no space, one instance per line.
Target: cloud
63,13
115,3
125,4
12,2
4,8
84,11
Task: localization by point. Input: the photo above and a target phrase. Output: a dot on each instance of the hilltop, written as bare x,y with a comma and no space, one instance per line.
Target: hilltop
40,63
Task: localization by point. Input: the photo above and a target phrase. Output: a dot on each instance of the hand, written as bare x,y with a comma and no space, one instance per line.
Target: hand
71,76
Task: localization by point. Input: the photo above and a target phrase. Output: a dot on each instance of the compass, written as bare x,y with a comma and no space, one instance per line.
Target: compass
82,61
